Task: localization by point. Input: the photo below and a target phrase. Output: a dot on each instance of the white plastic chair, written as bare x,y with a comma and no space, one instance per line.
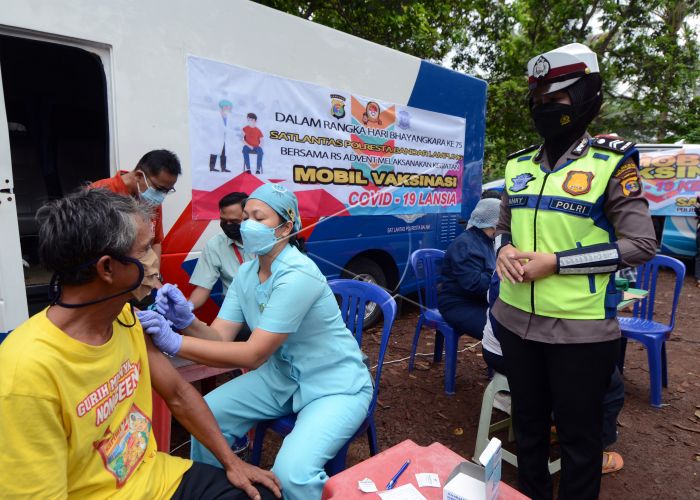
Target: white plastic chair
499,383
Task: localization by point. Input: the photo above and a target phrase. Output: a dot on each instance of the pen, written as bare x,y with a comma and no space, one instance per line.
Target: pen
396,476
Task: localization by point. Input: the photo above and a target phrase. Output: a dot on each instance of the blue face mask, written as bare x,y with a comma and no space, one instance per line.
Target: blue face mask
257,237
151,195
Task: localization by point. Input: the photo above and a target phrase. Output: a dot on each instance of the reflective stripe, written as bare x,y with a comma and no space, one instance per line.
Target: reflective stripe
588,258
587,270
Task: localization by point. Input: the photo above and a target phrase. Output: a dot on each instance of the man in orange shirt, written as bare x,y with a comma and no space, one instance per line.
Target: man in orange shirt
153,178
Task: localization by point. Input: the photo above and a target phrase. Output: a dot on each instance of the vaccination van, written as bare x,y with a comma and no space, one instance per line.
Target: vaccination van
383,150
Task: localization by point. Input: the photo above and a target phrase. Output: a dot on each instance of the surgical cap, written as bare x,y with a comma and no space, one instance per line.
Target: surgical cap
485,213
281,200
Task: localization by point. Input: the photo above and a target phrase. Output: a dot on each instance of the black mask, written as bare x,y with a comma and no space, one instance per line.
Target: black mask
561,125
554,119
232,230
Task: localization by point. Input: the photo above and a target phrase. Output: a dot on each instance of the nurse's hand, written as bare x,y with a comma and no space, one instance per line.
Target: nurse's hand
172,304
243,475
159,329
508,266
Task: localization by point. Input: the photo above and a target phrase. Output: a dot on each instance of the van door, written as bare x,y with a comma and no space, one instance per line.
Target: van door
56,110
13,300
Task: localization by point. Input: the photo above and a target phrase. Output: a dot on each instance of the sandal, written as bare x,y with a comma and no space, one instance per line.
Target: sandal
612,462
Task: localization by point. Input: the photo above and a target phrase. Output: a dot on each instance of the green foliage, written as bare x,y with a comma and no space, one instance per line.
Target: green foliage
648,51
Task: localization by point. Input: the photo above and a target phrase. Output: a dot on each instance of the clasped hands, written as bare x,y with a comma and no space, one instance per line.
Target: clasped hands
519,267
172,309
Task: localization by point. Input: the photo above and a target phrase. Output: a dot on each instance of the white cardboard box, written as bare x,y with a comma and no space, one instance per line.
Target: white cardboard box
469,481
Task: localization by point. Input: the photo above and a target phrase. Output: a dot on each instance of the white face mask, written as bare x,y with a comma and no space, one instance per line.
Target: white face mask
251,123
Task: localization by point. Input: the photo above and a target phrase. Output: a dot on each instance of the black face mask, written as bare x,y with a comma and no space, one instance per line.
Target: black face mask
554,119
232,230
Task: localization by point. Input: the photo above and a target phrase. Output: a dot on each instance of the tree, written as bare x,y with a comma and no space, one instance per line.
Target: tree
422,28
648,52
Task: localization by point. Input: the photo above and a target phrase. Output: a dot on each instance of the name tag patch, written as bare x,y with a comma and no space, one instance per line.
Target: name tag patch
570,207
517,201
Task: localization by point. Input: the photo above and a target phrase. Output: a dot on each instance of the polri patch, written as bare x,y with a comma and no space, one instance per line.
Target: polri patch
630,185
628,175
520,182
577,182
571,207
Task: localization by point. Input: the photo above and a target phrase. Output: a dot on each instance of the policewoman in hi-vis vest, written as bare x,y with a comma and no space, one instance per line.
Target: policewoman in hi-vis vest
571,215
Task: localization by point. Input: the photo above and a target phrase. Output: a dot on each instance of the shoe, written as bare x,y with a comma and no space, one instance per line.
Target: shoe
612,462
246,171
213,169
225,170
258,172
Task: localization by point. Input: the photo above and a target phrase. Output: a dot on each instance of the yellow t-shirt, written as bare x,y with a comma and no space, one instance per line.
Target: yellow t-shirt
75,419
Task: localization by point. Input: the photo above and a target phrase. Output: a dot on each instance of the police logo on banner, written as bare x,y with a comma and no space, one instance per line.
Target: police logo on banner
520,182
577,182
337,106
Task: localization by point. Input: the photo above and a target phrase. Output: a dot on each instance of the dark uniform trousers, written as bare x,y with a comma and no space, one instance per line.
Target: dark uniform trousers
568,381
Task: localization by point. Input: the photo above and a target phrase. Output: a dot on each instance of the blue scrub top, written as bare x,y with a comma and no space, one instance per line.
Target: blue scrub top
320,357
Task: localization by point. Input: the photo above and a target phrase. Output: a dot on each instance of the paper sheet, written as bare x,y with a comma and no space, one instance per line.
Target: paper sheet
405,492
367,485
428,479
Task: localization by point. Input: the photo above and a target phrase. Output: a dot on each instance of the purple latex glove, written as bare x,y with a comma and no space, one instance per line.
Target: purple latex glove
162,335
174,306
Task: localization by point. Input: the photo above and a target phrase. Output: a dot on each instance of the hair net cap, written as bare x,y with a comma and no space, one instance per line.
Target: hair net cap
485,214
281,200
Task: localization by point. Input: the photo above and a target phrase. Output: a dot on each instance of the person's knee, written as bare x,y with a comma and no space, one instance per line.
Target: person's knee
294,472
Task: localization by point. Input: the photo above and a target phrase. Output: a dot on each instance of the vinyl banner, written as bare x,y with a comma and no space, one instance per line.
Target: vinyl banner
671,180
341,153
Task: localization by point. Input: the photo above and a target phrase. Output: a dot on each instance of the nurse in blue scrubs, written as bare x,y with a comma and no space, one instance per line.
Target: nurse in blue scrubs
302,357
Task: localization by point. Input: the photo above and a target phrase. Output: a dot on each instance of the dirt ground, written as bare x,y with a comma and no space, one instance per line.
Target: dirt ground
660,447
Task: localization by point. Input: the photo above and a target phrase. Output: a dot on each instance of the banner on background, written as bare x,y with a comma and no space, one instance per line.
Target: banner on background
341,153
671,180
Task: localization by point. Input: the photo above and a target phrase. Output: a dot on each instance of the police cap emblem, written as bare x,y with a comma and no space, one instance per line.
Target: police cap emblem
541,68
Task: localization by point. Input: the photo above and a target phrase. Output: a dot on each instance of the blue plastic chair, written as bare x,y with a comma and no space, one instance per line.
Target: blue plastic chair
642,327
354,296
426,264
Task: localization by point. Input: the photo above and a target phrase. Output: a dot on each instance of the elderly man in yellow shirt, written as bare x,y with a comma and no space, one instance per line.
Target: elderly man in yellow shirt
76,378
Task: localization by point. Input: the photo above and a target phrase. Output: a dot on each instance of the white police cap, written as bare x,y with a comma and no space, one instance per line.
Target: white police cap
561,67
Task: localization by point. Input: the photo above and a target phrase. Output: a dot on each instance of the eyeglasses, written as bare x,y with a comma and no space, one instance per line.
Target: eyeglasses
158,188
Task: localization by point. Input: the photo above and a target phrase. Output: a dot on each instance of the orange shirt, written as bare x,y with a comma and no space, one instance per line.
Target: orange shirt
116,185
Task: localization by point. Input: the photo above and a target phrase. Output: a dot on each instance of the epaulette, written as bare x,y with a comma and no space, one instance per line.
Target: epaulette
616,144
523,151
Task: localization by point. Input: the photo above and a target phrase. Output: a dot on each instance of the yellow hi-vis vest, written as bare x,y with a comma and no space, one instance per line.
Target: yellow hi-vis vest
555,211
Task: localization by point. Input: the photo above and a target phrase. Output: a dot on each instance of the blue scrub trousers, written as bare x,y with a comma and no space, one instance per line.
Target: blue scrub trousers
323,426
